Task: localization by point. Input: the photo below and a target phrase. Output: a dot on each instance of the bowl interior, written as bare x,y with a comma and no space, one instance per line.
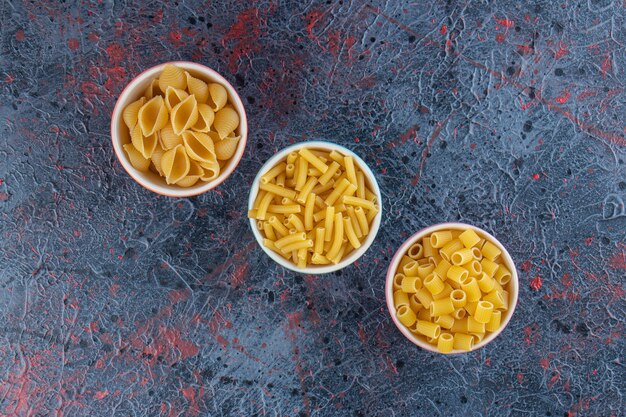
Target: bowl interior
513,285
121,134
371,182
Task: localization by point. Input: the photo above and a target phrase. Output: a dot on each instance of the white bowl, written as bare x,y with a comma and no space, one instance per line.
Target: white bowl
355,254
120,134
513,284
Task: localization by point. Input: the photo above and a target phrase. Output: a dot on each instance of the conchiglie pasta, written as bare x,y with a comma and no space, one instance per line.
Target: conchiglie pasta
173,96
194,174
211,170
174,130
172,76
152,116
206,115
218,96
168,138
185,115
131,112
156,157
152,90
198,88
144,144
136,159
175,164
226,121
225,148
199,146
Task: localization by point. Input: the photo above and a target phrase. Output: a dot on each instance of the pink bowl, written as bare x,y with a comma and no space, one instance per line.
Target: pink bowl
121,136
513,285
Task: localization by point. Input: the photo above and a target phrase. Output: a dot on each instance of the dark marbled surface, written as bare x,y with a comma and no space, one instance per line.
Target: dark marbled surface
508,115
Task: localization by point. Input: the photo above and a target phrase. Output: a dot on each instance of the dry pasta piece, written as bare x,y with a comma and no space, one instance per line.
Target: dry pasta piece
427,328
486,283
462,256
192,177
445,293
313,160
226,148
211,170
136,159
185,115
494,321
145,145
152,116
131,113
445,321
411,285
425,297
175,164
469,238
483,312
156,158
226,121
433,284
490,251
463,341
198,88
400,298
415,251
445,343
489,267
206,115
172,76
471,288
439,239
199,146
414,303
218,96
168,138
152,90
173,96
441,307
502,275
407,316
459,298
474,326
449,248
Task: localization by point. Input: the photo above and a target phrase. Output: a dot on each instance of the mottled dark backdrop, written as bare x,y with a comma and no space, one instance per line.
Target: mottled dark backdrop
509,115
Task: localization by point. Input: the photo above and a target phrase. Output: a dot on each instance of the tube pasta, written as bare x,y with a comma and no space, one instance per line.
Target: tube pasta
490,251
309,188
411,285
456,280
469,238
445,343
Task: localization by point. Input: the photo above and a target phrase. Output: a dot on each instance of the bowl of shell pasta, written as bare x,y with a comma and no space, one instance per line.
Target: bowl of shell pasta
451,288
315,207
179,129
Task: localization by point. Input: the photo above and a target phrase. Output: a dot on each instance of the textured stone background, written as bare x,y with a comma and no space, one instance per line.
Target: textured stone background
508,115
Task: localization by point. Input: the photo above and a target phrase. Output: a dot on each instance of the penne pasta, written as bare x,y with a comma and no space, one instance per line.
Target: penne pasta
305,193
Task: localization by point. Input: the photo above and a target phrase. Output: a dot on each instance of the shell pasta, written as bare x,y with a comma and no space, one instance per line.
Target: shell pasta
452,288
183,128
306,196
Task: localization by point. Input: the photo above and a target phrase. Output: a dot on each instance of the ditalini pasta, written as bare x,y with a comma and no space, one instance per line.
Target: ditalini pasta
183,128
307,195
450,288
